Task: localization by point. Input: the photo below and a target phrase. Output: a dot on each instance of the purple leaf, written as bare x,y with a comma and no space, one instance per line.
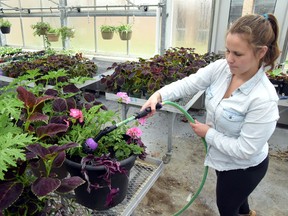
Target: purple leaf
38,117
51,130
59,160
69,184
110,196
9,193
51,92
45,185
89,97
71,88
38,150
27,97
71,103
59,105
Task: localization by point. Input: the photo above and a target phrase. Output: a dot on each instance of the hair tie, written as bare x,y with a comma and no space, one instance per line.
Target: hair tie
265,16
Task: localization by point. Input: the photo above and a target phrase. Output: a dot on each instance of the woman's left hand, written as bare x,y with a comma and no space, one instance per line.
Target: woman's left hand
199,128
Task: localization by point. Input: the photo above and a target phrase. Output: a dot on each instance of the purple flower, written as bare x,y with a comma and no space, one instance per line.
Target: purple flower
91,143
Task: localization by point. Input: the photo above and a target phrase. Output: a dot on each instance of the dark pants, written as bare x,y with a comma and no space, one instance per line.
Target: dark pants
234,186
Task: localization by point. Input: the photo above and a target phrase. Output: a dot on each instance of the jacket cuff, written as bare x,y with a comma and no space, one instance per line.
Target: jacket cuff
210,135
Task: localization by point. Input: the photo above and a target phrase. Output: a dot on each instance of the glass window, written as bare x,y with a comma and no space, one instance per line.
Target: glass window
267,6
191,24
239,8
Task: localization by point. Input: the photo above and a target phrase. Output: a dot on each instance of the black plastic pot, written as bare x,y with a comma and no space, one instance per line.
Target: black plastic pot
96,199
5,30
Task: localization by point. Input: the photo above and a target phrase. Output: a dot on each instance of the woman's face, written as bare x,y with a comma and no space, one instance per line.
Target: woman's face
240,56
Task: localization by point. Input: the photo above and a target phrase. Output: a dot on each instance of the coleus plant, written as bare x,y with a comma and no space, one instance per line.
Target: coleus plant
23,193
75,66
149,75
60,120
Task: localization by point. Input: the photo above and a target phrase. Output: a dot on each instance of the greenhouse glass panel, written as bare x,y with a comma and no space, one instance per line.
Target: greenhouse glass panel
239,8
264,6
192,24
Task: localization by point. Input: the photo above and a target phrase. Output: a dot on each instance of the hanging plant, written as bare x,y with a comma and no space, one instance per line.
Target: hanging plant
125,31
107,31
5,26
67,32
40,28
53,35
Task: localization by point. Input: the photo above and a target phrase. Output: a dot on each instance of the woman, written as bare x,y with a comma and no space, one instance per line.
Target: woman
241,107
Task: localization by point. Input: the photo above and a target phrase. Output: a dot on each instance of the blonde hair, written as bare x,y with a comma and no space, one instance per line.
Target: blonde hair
259,30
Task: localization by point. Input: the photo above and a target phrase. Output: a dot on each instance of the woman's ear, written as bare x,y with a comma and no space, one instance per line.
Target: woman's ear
262,52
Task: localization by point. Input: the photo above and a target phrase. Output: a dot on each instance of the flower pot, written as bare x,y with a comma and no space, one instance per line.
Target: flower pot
52,37
125,35
107,35
96,199
5,30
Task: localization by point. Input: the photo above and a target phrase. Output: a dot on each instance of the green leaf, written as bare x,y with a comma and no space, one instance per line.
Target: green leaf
12,149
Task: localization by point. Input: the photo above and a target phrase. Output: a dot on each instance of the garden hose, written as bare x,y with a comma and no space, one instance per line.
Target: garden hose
190,119
143,114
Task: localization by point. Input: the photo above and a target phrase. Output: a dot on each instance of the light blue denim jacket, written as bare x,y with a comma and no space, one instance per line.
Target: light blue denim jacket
241,124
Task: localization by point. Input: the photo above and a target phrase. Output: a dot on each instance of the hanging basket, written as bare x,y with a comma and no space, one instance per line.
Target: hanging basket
5,30
97,198
107,35
52,37
125,35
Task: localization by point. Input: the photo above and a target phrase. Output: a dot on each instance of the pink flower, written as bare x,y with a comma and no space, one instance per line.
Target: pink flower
77,114
142,120
123,97
134,132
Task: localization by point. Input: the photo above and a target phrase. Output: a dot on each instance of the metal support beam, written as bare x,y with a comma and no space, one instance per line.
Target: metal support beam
163,27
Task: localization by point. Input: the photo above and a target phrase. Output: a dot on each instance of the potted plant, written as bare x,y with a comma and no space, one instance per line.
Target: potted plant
26,142
53,35
58,122
5,26
149,75
279,78
107,31
41,28
66,32
125,31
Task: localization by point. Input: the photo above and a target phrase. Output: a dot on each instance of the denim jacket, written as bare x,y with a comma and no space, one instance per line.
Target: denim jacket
241,124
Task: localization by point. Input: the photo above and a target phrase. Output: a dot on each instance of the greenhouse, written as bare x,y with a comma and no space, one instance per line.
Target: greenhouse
143,107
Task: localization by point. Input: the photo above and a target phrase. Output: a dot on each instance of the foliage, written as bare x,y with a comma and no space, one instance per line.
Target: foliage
40,126
74,65
41,28
53,31
107,28
124,28
6,50
152,74
66,32
28,138
5,23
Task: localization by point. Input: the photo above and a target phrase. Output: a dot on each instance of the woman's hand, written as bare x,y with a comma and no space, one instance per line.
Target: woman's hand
151,102
199,128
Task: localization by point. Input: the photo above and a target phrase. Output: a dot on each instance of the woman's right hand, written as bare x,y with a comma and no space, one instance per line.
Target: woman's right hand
151,102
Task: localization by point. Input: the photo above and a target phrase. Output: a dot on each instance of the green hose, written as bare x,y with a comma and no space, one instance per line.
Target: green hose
190,119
